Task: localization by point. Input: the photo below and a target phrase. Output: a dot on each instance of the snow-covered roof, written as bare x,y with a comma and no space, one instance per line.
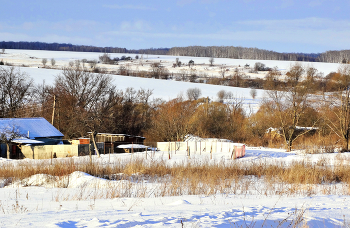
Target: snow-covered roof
26,141
37,127
135,146
193,138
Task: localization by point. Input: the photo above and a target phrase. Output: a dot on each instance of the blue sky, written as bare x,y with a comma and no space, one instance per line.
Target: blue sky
279,25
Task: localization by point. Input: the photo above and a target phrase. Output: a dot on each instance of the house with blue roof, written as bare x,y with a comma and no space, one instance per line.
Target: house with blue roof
27,131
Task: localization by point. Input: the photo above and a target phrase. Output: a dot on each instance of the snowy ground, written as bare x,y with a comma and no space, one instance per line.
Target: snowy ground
38,202
165,89
34,58
43,201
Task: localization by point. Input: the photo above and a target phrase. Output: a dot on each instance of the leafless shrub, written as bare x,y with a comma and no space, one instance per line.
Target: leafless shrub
194,93
253,93
53,62
44,61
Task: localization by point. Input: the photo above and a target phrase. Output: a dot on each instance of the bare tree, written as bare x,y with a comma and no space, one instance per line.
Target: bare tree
53,62
289,105
194,93
159,71
44,61
105,58
211,61
222,94
84,61
183,74
258,66
88,98
253,93
222,71
336,108
15,89
92,64
7,135
3,51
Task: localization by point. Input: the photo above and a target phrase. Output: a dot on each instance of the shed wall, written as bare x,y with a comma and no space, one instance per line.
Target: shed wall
45,152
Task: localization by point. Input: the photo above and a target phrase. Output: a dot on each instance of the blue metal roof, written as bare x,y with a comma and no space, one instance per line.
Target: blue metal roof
37,127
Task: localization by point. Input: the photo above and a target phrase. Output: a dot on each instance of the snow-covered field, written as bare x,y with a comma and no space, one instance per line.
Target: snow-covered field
165,89
39,202
34,58
80,200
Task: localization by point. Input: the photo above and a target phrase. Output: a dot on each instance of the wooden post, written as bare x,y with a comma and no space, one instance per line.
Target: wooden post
90,155
169,150
195,149
211,152
53,108
207,106
187,148
58,115
233,155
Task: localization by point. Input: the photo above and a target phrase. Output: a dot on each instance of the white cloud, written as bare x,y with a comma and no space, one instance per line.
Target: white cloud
310,31
316,3
186,2
28,25
312,23
138,25
133,7
74,25
212,14
286,3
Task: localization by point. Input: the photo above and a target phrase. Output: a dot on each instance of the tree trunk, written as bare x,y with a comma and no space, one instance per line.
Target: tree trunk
289,145
95,146
8,150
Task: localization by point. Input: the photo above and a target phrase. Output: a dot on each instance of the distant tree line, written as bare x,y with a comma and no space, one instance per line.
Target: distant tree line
79,48
239,53
342,56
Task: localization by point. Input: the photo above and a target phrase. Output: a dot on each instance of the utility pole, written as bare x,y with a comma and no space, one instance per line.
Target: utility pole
207,106
53,108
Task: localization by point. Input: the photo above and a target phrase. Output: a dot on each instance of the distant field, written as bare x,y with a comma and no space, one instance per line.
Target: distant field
165,89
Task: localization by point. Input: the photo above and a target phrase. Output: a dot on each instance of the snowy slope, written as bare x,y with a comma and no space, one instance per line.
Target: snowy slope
325,68
38,202
165,89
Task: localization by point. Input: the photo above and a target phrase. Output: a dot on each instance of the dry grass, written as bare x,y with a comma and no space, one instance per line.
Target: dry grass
194,177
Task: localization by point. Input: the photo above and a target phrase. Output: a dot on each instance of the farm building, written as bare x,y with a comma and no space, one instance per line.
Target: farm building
116,143
36,138
26,131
